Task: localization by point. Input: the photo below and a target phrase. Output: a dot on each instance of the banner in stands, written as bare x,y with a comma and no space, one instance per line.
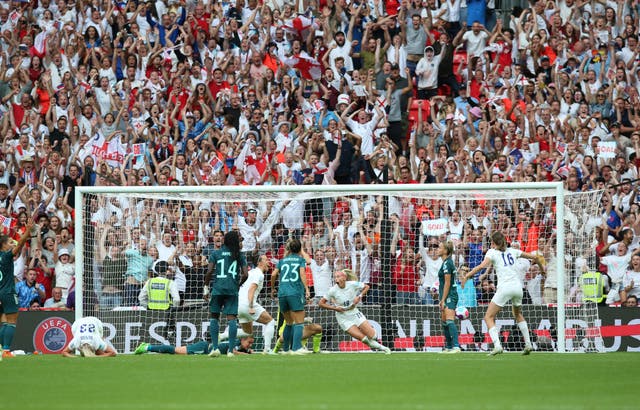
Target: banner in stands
418,330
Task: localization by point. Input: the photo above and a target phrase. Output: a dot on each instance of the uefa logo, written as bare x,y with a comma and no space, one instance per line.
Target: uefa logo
52,335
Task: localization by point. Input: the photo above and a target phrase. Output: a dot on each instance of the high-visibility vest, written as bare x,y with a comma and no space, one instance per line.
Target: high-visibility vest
159,296
592,287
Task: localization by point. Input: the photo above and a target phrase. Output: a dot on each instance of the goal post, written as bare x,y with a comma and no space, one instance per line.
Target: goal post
419,215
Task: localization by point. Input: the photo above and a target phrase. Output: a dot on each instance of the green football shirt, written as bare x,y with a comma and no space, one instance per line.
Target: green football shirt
290,280
227,271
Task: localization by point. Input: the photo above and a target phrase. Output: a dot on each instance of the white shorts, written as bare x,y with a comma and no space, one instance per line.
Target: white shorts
508,292
346,320
245,317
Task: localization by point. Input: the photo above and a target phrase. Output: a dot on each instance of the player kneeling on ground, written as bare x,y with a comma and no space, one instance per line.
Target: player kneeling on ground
88,340
310,329
201,347
343,298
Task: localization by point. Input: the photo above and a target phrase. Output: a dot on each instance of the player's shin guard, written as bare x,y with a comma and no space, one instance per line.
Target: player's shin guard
317,338
453,333
7,337
267,333
495,337
161,349
524,329
287,337
447,336
298,330
233,333
214,329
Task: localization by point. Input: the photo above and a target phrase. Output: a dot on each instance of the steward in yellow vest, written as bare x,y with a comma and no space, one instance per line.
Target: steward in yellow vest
159,292
592,284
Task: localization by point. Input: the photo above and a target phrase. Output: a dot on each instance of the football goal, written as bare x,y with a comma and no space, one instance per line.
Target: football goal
386,234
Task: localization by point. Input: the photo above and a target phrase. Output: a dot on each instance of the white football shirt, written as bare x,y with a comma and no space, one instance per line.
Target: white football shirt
256,276
344,296
505,265
88,330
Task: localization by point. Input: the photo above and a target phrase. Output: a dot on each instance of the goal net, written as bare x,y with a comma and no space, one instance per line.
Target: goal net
387,234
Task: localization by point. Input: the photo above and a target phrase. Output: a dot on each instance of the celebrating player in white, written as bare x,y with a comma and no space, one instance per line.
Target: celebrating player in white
509,288
249,310
343,298
88,339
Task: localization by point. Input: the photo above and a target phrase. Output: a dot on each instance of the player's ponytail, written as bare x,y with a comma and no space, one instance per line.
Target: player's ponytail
500,241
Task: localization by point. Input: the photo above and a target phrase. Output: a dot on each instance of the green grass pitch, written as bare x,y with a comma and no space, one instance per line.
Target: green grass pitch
327,381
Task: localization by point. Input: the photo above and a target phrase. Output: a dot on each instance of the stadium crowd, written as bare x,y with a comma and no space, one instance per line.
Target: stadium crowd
271,92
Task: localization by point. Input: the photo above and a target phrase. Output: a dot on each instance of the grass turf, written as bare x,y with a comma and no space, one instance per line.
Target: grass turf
327,381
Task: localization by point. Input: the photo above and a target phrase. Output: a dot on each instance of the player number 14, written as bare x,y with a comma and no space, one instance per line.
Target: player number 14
222,273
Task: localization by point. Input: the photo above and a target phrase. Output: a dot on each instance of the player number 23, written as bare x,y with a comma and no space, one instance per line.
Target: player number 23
87,328
293,269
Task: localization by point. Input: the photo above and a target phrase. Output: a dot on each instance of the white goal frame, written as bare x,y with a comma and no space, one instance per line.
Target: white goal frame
556,187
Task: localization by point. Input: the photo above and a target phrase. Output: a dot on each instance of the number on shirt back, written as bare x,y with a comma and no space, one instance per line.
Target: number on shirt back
508,261
87,328
232,269
286,269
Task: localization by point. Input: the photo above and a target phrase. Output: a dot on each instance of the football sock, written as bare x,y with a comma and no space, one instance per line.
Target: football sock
524,329
7,337
278,345
453,333
161,349
242,333
267,333
447,336
298,329
2,328
372,343
214,328
287,336
495,337
224,335
233,333
317,338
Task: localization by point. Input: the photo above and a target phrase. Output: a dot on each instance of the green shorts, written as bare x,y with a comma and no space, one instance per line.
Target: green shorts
291,303
229,302
9,303
452,300
201,347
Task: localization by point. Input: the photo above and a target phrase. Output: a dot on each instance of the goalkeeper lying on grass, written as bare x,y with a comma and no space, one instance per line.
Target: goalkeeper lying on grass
202,347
